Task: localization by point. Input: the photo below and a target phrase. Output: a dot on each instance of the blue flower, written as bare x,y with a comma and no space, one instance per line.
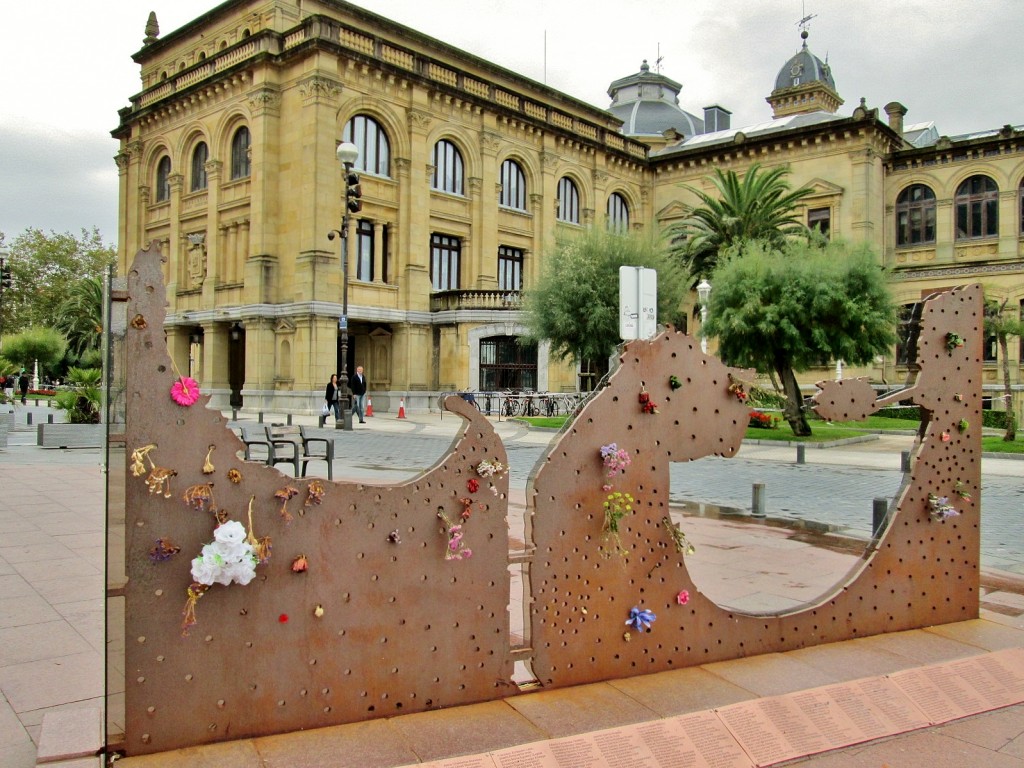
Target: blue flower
640,619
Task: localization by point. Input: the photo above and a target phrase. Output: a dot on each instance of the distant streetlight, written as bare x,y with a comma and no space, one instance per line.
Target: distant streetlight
347,154
703,294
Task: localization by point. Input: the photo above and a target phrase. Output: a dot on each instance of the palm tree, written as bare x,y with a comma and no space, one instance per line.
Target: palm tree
1002,326
760,206
80,315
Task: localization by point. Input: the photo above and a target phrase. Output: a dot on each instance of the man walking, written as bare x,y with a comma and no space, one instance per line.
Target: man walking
358,386
23,386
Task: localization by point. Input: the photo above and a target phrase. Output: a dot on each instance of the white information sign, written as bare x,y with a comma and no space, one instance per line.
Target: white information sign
638,303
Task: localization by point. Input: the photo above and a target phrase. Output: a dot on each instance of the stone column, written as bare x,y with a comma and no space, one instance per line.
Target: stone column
379,256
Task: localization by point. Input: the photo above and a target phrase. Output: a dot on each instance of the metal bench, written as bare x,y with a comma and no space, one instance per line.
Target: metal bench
292,445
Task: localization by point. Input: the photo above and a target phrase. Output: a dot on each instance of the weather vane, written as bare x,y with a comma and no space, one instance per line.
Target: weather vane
806,19
657,61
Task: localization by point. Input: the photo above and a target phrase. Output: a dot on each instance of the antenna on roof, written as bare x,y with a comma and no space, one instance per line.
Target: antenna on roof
806,19
657,61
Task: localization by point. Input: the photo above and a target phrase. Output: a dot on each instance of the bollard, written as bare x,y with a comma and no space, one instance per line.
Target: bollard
801,454
904,461
49,418
879,511
323,420
259,417
29,417
289,419
234,414
757,501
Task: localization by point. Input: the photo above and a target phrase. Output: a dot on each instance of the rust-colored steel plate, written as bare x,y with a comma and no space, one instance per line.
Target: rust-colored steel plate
402,628
923,572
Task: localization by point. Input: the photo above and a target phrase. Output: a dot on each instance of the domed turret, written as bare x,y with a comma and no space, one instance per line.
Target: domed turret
804,84
647,103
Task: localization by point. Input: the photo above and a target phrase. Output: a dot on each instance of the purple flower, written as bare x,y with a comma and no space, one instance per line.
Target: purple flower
640,619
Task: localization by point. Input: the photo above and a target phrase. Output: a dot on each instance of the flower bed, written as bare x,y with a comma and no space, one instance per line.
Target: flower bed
762,420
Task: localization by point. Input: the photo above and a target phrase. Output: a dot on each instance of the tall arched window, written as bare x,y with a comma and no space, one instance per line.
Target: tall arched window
199,157
448,170
915,215
163,179
513,186
618,213
240,167
374,149
977,208
568,201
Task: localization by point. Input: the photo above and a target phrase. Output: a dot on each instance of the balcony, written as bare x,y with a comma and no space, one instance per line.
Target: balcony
445,301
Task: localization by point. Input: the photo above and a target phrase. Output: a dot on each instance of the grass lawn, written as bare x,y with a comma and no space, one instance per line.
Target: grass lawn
996,444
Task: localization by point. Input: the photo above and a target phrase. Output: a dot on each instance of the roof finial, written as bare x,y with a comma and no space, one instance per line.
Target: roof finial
152,29
804,22
657,61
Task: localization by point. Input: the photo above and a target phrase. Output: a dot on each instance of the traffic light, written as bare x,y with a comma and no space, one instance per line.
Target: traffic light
6,281
353,192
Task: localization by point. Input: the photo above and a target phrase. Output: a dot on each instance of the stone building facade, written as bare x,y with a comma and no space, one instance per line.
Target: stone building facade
468,174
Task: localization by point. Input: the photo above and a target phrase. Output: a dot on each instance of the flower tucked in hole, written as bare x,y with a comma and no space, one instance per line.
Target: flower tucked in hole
472,485
139,458
185,391
159,481
139,323
488,468
615,459
300,564
207,464
198,496
963,425
164,549
318,611
945,437
234,476
314,493
194,592
674,382
953,340
679,540
283,495
455,550
640,619
940,508
737,390
683,597
646,405
394,537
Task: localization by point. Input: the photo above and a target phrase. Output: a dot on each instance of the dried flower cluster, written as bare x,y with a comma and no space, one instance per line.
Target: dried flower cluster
940,508
615,459
455,550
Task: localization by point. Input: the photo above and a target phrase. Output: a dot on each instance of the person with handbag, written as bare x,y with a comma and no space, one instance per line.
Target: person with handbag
331,398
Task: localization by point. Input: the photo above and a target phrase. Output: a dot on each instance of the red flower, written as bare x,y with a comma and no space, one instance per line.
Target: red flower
185,391
283,618
472,485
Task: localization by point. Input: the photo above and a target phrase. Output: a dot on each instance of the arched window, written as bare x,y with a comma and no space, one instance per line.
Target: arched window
977,208
240,167
915,215
618,213
374,149
199,157
568,201
448,170
1020,195
513,186
163,179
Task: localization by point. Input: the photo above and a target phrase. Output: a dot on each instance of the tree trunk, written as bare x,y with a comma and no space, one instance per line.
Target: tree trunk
1011,414
794,411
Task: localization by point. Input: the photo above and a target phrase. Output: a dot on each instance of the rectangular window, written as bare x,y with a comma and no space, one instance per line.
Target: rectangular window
510,268
364,250
821,220
990,349
445,252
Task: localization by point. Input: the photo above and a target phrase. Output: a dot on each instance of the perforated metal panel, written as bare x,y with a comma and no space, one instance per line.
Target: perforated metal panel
402,629
924,572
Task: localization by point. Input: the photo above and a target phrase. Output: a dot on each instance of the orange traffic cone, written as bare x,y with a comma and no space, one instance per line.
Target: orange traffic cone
369,406
401,408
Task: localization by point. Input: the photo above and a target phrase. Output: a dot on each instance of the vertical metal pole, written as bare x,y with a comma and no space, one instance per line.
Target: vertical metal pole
801,454
879,510
905,461
757,501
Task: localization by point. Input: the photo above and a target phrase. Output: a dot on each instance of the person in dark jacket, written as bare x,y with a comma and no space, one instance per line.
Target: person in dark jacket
23,386
358,386
331,396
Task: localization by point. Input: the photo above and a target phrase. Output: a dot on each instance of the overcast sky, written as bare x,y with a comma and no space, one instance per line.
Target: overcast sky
66,68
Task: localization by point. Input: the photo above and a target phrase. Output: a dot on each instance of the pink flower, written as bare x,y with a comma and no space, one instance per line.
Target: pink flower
606,488
185,391
683,597
945,437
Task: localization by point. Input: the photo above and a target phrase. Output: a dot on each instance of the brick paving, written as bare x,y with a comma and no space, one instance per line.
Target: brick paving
51,582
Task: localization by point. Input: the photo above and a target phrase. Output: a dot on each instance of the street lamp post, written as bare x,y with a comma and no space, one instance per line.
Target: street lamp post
703,292
347,153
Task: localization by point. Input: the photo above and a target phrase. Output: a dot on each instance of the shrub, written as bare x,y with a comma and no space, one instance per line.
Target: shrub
761,420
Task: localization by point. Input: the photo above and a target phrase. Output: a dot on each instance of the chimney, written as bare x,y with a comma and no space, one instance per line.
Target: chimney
896,112
716,118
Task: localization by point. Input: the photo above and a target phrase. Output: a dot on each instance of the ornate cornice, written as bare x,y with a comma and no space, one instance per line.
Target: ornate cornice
946,272
419,120
265,101
319,90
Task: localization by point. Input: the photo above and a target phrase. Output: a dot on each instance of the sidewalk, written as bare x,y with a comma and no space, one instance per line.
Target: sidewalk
51,650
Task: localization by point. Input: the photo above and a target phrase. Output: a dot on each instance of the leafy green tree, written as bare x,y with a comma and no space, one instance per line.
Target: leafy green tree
80,315
1002,325
575,304
44,345
791,309
760,206
44,267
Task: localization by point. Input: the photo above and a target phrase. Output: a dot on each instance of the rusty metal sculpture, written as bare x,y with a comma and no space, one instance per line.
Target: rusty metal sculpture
382,599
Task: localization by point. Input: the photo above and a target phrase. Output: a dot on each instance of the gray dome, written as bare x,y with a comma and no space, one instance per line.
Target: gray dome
647,103
804,68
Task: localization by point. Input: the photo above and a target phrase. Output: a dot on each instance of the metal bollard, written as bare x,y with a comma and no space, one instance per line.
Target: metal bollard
757,501
29,417
289,419
879,511
234,414
259,419
323,420
49,418
904,461
801,454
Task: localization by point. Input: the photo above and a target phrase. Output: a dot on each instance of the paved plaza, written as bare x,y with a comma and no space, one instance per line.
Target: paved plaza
51,603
